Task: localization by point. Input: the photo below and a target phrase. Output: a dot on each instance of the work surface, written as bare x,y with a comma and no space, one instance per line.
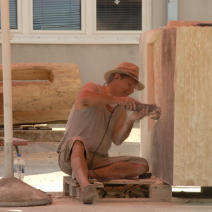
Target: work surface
63,204
42,172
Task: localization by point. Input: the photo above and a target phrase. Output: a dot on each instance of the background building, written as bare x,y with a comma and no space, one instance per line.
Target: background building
95,34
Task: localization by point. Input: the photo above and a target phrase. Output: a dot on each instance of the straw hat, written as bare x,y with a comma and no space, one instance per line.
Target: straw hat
128,69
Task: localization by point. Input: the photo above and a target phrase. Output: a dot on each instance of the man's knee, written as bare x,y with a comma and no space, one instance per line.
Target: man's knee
144,165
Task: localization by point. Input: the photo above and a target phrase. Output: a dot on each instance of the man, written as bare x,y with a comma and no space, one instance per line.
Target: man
98,118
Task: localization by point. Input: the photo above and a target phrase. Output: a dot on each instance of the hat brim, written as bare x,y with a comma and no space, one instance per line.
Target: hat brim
139,86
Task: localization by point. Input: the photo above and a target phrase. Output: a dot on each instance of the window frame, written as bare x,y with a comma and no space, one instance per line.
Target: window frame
88,33
18,17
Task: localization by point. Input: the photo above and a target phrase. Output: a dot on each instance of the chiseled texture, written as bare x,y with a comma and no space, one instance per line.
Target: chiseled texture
176,62
42,92
193,107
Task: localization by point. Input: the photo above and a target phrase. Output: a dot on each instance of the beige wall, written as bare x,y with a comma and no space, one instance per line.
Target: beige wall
195,10
159,13
93,60
190,10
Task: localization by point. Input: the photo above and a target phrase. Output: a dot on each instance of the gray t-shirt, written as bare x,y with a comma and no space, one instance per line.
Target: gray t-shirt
89,125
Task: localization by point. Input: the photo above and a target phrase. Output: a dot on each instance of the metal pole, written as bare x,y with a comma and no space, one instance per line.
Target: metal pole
7,89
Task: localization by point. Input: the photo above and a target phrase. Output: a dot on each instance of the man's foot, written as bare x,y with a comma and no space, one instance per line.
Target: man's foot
88,194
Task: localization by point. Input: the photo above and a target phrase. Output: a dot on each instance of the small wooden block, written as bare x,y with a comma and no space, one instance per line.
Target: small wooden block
160,192
65,186
72,191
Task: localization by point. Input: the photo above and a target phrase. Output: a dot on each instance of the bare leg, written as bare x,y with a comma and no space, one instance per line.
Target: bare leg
119,170
80,169
79,164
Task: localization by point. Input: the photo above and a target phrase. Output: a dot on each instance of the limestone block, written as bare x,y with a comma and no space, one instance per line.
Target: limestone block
177,70
187,23
42,92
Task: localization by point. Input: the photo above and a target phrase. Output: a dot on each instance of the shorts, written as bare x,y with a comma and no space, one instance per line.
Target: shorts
94,161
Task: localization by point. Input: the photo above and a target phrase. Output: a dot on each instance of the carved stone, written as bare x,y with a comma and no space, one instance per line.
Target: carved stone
42,92
176,65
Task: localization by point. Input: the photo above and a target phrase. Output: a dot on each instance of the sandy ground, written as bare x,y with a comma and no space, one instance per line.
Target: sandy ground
42,170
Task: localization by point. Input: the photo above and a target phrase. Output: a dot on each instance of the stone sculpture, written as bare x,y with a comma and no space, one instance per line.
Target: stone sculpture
42,93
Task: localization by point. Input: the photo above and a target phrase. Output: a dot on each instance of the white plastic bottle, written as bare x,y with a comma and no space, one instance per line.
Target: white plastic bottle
19,167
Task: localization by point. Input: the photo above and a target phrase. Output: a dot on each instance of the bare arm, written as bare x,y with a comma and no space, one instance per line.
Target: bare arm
122,129
90,95
124,125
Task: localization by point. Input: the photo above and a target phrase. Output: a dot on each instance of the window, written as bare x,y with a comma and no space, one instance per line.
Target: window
79,21
13,14
56,14
119,14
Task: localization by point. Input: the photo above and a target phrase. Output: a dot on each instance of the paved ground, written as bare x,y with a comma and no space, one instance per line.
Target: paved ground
42,172
65,204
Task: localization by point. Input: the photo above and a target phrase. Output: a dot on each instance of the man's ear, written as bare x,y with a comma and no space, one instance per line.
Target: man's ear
117,76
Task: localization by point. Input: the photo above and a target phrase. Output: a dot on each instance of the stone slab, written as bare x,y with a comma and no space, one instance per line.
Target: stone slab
176,64
193,107
42,92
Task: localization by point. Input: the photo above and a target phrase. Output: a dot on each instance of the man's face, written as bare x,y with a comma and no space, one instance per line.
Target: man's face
124,86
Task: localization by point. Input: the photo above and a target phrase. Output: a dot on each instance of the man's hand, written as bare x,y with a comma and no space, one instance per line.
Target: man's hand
155,114
127,103
138,115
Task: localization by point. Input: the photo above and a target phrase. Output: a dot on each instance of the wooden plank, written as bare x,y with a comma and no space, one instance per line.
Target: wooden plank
37,135
151,180
156,189
16,141
160,192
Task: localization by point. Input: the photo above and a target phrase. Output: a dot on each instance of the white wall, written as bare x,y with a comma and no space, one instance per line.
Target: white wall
195,10
159,13
93,60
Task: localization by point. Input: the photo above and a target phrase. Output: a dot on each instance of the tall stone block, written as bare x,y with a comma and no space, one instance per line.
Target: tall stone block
177,71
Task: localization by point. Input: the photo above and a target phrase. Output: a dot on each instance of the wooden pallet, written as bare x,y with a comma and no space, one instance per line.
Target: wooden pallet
157,190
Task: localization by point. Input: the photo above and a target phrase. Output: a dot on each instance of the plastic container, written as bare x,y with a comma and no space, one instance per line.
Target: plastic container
19,167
